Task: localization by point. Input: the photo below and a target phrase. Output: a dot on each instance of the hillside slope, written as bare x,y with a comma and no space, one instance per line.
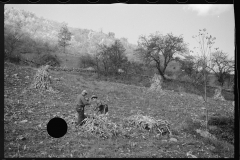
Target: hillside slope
39,32
30,139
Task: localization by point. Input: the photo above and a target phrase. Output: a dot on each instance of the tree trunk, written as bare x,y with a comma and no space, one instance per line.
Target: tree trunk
159,71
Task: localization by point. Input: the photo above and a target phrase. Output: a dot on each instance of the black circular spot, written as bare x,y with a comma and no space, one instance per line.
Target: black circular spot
57,127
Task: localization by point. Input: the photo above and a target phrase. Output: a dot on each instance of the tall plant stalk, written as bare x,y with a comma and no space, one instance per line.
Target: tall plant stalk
205,48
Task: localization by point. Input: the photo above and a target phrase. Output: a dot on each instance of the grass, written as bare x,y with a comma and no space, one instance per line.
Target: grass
182,111
169,84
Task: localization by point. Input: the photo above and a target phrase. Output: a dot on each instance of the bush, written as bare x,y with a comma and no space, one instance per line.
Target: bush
221,121
189,126
49,59
225,126
14,59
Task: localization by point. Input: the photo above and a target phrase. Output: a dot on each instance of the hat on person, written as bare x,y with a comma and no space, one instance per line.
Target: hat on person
84,92
93,96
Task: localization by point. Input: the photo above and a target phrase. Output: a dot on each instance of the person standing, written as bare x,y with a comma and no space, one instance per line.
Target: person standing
82,101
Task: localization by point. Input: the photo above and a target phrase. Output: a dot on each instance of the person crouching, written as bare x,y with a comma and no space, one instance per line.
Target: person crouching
99,106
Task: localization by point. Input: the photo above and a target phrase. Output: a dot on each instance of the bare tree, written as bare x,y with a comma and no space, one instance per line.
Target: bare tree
13,35
193,68
86,61
112,57
18,32
64,36
159,49
221,66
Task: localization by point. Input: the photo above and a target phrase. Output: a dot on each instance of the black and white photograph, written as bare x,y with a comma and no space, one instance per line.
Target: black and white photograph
119,80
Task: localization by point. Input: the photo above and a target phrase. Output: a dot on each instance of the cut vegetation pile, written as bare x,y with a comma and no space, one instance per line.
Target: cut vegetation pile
160,127
218,94
156,84
100,126
42,80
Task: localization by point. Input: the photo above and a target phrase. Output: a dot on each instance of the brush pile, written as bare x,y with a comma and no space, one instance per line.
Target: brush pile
100,126
42,79
160,127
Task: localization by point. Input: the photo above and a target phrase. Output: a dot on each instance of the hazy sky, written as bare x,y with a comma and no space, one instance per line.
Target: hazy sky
131,21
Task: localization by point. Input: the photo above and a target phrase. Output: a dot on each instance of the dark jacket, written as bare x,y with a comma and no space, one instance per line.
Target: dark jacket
81,102
101,107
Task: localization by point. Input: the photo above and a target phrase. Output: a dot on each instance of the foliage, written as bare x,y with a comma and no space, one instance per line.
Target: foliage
64,36
24,32
187,65
12,58
225,130
194,68
49,59
86,60
221,66
112,57
13,31
160,49
111,34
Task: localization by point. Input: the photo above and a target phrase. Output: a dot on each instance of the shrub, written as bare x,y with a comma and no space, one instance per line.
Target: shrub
189,126
49,59
12,58
225,126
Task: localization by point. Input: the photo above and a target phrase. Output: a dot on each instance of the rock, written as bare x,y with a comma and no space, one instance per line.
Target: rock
23,121
189,154
29,111
173,140
40,125
21,138
205,134
200,98
213,127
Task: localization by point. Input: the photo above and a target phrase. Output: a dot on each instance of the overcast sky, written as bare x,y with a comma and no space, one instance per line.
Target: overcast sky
131,21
